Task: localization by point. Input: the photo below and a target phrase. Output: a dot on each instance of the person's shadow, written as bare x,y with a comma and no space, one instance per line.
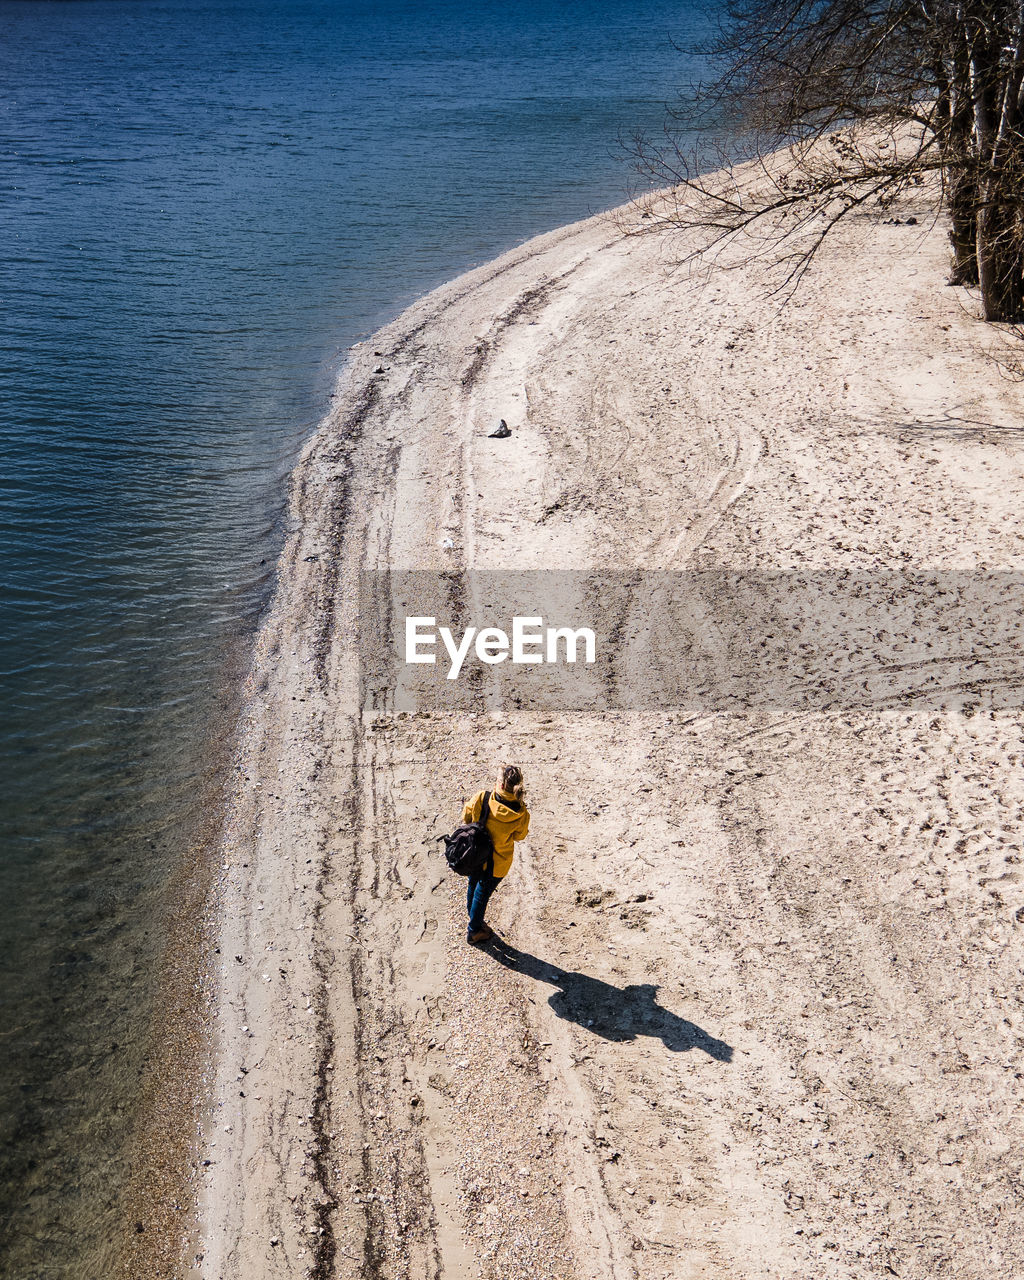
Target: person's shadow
615,1013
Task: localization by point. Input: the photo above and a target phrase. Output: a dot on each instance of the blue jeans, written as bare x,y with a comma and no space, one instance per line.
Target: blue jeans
478,894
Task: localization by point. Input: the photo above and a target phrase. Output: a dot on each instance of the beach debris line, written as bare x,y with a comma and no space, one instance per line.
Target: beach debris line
502,433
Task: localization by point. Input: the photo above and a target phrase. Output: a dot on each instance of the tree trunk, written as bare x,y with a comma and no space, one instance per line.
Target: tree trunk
1000,254
963,233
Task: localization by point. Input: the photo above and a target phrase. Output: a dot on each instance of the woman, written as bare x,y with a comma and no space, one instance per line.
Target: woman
508,820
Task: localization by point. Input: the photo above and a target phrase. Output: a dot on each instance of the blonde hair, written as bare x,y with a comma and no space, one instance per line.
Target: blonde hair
510,780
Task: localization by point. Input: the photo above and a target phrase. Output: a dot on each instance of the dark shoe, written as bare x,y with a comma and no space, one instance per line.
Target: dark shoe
481,935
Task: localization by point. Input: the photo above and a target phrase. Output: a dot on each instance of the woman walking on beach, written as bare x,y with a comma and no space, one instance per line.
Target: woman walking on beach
508,820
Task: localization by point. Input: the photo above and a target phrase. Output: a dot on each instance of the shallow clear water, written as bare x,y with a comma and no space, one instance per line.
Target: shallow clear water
202,205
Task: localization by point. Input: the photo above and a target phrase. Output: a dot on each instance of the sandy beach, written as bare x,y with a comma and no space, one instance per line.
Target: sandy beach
756,1007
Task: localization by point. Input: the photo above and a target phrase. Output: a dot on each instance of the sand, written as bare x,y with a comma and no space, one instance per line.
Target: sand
755,1007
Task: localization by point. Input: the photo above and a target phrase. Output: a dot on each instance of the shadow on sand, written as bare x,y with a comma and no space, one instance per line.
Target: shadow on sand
615,1013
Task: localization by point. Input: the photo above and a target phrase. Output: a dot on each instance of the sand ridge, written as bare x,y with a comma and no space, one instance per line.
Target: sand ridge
755,1005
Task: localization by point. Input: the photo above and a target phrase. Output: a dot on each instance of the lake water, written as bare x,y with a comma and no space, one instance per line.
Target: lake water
202,206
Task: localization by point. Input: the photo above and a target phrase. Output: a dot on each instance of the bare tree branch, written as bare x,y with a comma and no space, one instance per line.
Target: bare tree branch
869,98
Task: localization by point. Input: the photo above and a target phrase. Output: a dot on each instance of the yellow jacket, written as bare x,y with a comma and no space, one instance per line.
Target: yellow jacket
505,824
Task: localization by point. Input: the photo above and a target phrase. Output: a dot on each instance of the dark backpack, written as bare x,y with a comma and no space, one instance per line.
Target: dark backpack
469,849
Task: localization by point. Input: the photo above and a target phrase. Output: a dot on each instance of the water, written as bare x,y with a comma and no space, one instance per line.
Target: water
202,205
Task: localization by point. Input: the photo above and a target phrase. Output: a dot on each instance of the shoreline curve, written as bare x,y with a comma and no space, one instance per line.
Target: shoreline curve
640,1078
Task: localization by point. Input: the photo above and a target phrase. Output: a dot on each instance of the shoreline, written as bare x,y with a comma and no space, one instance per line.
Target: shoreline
321,463
163,1180
162,1156
356,1123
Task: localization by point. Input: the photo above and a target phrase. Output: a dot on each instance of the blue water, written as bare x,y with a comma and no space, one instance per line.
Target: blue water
202,205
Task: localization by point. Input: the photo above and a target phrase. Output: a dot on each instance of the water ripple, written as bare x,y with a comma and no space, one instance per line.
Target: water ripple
202,205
